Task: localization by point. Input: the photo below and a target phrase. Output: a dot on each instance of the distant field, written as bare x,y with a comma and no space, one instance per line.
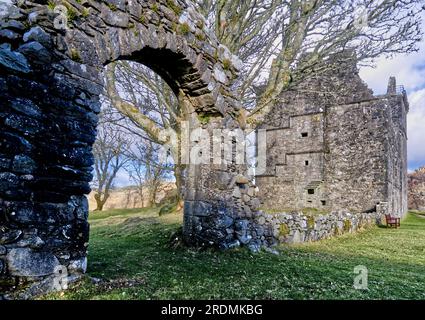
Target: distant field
130,255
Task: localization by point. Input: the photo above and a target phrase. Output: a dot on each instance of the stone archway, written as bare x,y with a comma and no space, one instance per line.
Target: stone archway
50,81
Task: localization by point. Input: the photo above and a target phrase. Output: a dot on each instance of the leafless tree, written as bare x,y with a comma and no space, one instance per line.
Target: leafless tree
148,105
284,42
147,171
109,153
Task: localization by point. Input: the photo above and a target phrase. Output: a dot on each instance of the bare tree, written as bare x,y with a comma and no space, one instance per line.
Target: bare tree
282,43
147,170
109,153
149,106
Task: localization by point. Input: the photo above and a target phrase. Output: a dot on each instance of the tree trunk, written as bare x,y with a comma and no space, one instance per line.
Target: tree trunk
152,195
100,203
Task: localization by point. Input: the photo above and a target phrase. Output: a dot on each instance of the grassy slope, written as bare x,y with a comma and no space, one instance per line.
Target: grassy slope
131,250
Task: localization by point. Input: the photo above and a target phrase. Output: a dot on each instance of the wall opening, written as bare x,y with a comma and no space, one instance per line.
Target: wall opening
304,134
310,191
127,151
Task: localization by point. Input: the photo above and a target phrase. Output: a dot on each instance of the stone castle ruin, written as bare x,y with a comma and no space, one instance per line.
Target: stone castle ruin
345,151
334,146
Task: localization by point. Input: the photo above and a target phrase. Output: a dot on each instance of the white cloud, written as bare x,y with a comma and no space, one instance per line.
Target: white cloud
408,69
416,129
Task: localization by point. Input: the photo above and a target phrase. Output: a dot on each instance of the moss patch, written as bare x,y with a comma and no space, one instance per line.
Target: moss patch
173,6
283,230
85,12
112,6
200,24
51,5
310,222
75,55
347,225
155,8
71,15
200,36
227,64
204,118
184,29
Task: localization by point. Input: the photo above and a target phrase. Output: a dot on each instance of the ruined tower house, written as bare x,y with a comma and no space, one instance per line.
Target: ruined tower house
337,147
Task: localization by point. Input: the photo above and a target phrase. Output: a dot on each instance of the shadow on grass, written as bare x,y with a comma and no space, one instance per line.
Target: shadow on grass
323,270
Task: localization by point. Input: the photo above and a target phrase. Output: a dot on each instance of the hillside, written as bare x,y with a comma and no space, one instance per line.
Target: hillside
129,198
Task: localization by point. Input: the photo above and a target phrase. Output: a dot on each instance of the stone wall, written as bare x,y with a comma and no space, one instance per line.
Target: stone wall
333,145
297,227
366,162
50,81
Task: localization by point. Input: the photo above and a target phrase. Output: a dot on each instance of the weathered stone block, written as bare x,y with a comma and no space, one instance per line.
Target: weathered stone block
38,34
202,208
13,60
29,263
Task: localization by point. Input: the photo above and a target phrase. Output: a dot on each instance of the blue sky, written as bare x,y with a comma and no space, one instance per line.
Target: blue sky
410,72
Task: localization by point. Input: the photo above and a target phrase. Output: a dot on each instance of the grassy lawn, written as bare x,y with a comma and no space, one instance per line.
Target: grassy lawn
129,251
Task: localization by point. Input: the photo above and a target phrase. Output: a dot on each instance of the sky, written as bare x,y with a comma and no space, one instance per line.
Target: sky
409,71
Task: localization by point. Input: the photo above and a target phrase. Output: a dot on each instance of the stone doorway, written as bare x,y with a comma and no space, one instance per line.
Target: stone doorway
50,81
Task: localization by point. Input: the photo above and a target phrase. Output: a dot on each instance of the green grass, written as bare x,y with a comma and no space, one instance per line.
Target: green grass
98,215
129,250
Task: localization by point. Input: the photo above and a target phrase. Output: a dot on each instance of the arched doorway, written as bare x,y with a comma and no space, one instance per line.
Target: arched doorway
50,78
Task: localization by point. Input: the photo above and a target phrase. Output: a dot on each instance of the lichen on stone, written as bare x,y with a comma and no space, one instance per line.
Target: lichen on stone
283,230
310,222
347,225
75,55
